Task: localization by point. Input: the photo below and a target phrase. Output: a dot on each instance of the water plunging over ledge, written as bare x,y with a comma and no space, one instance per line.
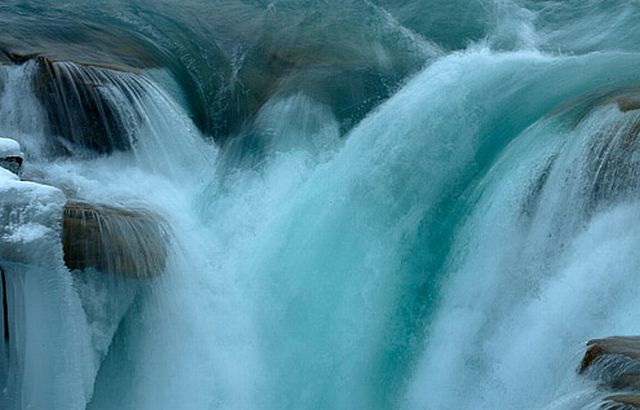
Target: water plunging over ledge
294,205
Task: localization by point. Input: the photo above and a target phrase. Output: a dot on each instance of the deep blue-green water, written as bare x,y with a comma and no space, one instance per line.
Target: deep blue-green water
372,204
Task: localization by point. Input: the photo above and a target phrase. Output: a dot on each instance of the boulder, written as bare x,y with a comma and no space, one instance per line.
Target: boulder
615,363
628,102
84,104
626,346
113,240
109,239
622,402
626,381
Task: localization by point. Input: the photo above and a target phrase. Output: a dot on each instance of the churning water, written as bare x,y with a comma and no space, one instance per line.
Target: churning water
360,205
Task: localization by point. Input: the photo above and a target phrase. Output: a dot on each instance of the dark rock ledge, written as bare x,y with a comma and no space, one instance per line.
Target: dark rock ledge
615,363
113,240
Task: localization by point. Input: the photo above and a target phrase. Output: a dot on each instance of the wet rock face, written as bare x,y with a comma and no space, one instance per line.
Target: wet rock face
84,105
13,164
627,347
4,58
601,157
615,160
629,102
621,402
615,363
113,240
90,107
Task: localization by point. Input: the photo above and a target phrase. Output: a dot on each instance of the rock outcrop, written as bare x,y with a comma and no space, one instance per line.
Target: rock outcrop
84,104
621,402
628,102
615,363
113,240
91,108
628,347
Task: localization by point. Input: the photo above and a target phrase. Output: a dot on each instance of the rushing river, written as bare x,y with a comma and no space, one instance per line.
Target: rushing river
375,204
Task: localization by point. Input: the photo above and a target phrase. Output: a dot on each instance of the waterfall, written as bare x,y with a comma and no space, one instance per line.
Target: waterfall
545,259
305,205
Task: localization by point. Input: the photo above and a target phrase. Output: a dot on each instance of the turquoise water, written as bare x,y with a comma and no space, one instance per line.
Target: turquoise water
372,204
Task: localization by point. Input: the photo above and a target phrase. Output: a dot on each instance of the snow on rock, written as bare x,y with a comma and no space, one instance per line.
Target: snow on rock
9,148
7,176
11,156
30,218
27,233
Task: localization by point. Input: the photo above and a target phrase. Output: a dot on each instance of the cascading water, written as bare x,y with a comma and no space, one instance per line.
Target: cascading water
371,205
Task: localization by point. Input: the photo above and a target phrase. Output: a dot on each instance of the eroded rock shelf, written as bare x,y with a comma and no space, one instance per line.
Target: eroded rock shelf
615,363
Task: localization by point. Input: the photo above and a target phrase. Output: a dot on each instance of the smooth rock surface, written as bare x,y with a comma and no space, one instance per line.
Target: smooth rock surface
615,363
83,104
113,240
622,402
629,102
627,346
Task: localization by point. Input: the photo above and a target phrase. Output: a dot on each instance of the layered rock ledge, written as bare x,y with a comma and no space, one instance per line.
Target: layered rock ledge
113,240
615,363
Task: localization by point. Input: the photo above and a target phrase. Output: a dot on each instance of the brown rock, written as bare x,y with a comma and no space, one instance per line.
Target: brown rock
628,346
628,102
626,381
113,240
621,402
79,113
